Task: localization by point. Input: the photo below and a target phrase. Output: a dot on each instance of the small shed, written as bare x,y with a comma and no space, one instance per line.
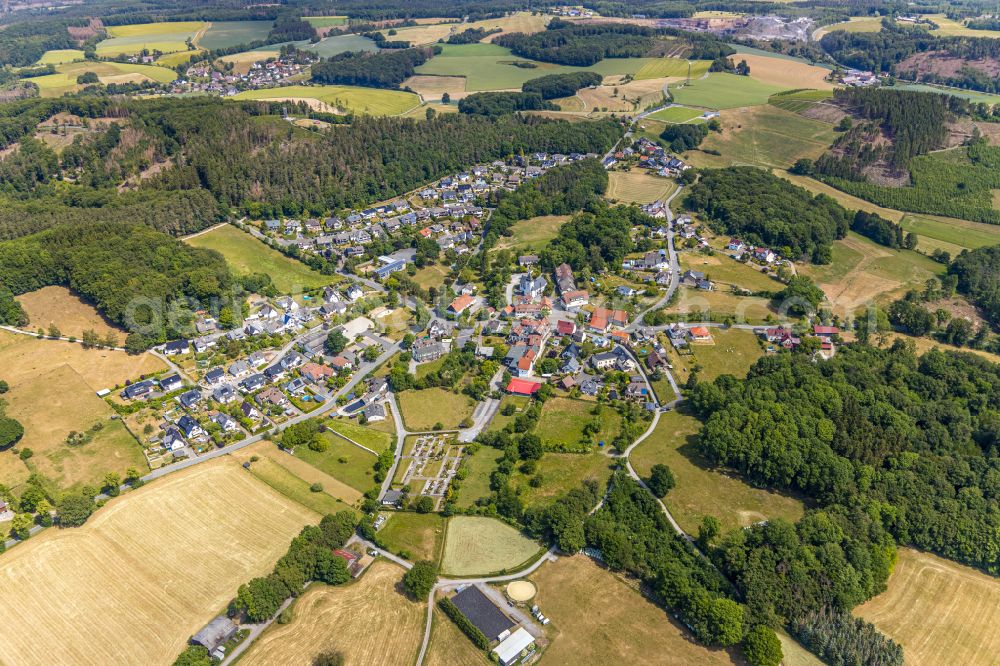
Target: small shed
215,633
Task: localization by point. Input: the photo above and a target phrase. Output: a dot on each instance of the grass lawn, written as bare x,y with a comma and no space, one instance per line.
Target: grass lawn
245,254
939,611
499,420
431,276
661,67
950,234
639,186
64,80
701,491
763,136
325,21
424,369
567,591
563,420
724,91
477,545
363,435
561,472
701,305
722,268
60,56
733,353
423,409
677,114
225,34
356,470
532,235
477,483
421,535
356,99
167,37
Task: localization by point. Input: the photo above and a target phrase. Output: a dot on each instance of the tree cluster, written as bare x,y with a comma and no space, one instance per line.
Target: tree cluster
978,273
471,35
580,45
684,137
385,69
764,209
493,104
596,239
309,558
553,86
883,231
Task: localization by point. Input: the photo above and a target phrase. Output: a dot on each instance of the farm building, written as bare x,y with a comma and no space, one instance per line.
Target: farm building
522,387
215,633
483,613
510,650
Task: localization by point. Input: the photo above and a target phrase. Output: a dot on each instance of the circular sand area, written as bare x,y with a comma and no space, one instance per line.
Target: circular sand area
521,590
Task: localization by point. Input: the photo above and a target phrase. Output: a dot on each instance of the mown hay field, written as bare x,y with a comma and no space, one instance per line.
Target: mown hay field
245,254
477,545
679,67
784,73
724,91
677,114
145,572
369,621
450,647
419,535
345,98
167,37
64,80
638,186
701,491
854,24
225,34
422,410
568,590
939,611
58,305
60,56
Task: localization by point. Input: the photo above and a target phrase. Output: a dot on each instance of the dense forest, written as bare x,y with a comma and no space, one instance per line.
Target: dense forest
219,155
763,209
884,51
554,86
385,69
882,439
493,104
882,231
597,239
144,280
978,273
579,45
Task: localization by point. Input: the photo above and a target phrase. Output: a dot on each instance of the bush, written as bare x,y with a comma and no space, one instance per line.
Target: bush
316,487
420,579
761,647
661,480
424,504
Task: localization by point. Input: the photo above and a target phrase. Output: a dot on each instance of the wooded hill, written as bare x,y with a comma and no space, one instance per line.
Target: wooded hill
216,155
580,45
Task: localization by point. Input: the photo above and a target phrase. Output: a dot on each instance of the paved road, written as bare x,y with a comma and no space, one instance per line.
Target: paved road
675,268
400,440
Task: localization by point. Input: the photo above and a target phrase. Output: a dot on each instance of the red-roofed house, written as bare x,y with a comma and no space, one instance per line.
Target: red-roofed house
700,334
564,327
461,304
523,387
825,331
315,372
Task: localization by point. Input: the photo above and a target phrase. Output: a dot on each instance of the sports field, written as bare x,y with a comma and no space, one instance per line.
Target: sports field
422,410
662,67
64,80
563,420
701,491
533,234
368,622
245,254
225,34
477,545
60,56
639,186
721,90
417,536
145,572
346,98
863,272
58,305
784,73
677,114
764,136
166,37
567,591
939,611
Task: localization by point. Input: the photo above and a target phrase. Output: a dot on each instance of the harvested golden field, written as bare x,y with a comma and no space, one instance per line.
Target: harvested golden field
59,306
369,621
939,611
567,592
432,87
783,72
450,647
638,186
23,356
631,96
145,572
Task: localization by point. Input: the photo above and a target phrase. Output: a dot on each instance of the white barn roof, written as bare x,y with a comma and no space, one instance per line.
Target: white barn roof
513,645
